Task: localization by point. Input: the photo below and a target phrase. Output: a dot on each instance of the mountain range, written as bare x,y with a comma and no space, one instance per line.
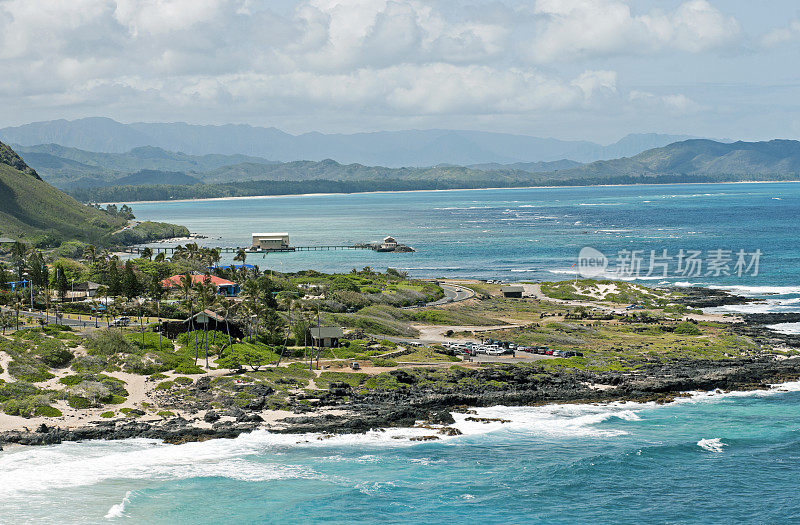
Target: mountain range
415,148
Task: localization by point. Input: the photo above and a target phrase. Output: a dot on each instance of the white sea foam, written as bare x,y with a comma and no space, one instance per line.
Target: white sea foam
712,445
762,306
118,510
40,469
550,420
750,291
785,328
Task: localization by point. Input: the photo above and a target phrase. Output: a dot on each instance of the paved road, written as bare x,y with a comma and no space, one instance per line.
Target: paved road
51,318
453,294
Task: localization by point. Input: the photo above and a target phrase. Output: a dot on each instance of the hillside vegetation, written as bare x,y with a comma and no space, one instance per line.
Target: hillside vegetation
776,159
39,213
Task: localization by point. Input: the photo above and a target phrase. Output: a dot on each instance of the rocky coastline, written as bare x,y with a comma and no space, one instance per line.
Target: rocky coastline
341,410
418,399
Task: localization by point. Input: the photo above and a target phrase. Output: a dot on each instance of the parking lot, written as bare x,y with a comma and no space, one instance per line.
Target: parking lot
518,357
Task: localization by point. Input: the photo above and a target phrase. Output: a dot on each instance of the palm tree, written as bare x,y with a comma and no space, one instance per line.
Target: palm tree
90,253
160,256
208,297
17,307
18,252
157,293
215,256
241,255
286,300
147,253
187,289
227,305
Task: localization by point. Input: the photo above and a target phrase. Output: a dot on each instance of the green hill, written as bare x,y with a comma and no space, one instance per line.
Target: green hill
776,159
40,214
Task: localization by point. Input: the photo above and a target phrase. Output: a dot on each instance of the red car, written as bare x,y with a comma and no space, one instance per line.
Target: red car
549,352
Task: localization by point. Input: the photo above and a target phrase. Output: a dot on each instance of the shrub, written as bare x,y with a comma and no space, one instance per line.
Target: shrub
376,361
158,376
77,402
108,341
165,413
188,368
54,354
17,390
89,363
107,414
25,368
165,385
47,411
687,328
184,380
71,380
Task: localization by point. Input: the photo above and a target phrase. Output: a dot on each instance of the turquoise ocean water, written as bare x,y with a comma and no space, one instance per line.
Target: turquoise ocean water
732,458
724,458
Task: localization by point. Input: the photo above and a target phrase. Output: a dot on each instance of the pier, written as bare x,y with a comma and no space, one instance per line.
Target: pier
228,249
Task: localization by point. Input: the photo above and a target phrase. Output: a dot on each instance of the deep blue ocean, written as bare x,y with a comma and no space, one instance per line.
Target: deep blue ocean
513,234
732,458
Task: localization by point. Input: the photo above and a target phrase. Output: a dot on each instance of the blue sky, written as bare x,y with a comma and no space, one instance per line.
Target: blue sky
577,69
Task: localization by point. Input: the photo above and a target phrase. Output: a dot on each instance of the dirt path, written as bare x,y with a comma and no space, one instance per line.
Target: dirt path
4,360
436,334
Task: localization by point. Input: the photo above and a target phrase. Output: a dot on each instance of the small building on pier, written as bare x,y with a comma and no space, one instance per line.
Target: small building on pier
270,241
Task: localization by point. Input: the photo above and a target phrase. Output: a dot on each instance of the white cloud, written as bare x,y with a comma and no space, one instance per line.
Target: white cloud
357,58
674,103
572,29
782,35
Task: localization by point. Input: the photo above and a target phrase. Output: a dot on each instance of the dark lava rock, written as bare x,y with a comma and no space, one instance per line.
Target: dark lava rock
441,417
204,383
256,404
211,416
339,389
234,412
699,297
403,377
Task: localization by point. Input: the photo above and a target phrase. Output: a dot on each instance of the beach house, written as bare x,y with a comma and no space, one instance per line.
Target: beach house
326,336
222,286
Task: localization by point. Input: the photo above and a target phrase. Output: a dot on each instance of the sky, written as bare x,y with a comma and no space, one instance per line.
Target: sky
570,69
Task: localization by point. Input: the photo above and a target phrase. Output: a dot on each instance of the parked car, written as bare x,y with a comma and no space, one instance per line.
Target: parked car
548,352
121,321
355,366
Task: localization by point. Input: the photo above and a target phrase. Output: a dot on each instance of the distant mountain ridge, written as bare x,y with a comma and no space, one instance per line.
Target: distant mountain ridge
702,158
415,148
689,161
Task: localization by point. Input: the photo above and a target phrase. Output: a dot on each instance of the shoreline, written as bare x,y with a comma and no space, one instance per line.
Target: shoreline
211,199
422,395
346,412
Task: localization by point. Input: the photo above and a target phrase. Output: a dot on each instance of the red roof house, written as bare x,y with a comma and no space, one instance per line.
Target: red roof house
223,286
